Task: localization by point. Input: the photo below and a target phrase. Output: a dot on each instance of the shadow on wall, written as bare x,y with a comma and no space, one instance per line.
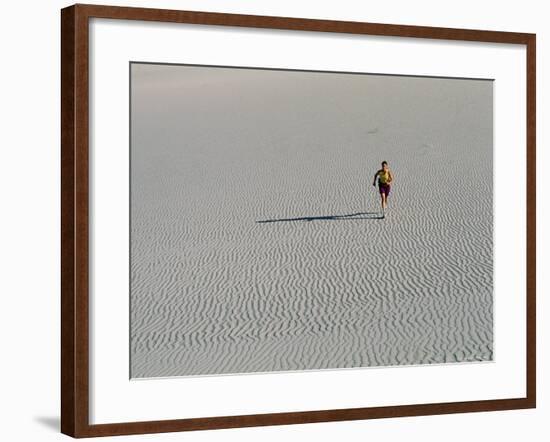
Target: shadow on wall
51,422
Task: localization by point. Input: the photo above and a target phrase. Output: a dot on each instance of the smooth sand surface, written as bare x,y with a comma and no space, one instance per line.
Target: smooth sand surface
256,241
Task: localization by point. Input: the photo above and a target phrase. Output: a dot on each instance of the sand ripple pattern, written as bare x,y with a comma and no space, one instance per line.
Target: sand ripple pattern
320,282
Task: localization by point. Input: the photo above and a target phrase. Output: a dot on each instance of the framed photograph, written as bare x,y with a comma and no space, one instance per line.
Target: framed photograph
271,220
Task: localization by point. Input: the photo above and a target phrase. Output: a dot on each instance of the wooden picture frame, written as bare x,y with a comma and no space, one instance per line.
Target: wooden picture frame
75,220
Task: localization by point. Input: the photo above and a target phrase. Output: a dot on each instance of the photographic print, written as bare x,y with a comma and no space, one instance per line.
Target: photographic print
286,220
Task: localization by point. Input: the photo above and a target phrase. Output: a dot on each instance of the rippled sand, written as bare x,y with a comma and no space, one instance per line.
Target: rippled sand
256,240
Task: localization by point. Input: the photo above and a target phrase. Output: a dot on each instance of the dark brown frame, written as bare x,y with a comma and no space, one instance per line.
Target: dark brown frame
74,220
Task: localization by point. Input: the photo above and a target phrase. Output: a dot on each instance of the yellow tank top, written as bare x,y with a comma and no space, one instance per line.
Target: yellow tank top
384,176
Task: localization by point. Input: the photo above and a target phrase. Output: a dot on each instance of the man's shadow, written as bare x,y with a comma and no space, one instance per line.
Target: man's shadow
350,216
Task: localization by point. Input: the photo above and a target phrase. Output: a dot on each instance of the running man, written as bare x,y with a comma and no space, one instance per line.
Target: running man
385,177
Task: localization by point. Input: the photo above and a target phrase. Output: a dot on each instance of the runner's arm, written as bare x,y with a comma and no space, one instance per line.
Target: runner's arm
374,180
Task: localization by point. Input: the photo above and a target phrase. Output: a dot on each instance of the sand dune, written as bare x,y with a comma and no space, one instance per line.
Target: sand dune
256,238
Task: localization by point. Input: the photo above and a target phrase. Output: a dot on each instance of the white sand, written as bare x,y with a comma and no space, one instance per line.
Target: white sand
214,151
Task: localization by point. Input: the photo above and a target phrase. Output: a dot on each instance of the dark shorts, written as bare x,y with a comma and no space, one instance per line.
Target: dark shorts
384,189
